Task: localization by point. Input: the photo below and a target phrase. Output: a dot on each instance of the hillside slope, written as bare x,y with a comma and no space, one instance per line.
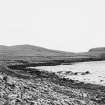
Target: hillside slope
29,50
34,54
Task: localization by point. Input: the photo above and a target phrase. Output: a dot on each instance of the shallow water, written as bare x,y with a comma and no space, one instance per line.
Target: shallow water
96,69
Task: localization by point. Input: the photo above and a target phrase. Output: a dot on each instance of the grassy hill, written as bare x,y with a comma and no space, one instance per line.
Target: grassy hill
23,54
29,50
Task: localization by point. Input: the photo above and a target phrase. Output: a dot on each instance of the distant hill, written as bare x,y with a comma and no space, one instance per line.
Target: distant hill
99,49
29,50
36,54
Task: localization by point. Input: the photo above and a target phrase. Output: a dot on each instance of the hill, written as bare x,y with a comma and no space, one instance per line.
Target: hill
99,49
20,54
29,50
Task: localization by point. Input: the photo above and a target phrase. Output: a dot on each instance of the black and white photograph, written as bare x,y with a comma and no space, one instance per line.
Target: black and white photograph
52,52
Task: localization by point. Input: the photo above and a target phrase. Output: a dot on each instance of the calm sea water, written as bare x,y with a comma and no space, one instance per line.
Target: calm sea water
96,69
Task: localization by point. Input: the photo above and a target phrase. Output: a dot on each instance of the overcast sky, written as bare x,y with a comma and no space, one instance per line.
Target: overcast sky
69,25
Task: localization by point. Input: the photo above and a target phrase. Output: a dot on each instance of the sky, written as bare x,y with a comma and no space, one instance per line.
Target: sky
69,25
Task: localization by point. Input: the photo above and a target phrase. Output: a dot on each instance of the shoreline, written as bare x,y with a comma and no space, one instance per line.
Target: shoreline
89,93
